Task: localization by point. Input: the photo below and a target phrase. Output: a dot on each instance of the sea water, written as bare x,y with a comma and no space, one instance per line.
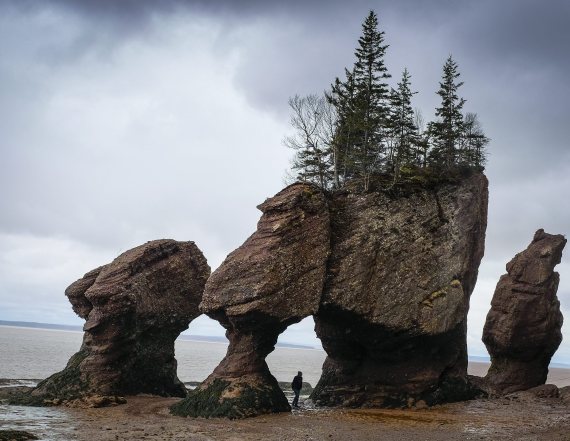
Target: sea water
34,354
27,353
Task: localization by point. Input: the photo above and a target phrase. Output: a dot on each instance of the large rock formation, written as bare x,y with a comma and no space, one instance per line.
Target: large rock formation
522,330
393,314
134,307
388,278
273,280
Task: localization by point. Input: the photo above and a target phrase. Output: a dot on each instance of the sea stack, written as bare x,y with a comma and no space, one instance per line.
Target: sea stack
523,326
387,276
273,280
135,308
394,309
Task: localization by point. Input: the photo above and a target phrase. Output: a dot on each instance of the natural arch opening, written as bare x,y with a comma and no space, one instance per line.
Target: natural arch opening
199,349
298,349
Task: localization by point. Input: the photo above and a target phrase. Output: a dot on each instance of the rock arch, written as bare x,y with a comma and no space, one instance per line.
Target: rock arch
387,277
273,280
135,308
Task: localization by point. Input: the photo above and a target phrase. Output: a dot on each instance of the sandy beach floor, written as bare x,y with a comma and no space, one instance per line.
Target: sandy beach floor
147,418
522,418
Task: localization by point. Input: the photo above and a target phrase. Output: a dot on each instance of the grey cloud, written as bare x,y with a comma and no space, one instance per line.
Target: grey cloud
193,166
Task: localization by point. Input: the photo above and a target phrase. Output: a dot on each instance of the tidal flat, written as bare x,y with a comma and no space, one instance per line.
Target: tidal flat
146,417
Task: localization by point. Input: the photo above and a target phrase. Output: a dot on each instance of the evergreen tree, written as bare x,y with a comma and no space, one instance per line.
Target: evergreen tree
371,103
447,130
362,104
403,130
342,99
472,151
422,143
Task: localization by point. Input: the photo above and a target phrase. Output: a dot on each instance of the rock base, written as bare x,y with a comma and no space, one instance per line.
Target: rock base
234,398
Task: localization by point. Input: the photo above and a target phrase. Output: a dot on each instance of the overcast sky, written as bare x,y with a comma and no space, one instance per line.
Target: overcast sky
127,121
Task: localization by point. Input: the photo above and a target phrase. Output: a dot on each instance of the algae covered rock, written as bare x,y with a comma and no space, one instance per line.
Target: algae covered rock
394,308
523,326
273,280
135,308
16,435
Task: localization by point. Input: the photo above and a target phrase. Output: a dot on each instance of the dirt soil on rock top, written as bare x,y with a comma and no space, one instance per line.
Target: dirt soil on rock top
147,418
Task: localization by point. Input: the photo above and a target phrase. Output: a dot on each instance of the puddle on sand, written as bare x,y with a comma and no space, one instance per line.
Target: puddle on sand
47,423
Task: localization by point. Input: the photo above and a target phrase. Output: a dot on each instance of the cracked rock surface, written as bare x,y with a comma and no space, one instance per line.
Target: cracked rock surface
523,326
394,308
273,280
135,308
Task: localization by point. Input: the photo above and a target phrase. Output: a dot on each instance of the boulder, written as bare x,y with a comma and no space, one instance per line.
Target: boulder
135,308
273,280
393,314
564,394
523,326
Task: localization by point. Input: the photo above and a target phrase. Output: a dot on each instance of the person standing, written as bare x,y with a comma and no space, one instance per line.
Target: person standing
297,385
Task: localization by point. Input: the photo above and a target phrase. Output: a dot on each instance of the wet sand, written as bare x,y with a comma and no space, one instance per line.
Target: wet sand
521,417
147,418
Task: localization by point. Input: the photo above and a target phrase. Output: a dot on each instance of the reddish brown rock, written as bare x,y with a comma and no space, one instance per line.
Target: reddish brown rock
135,308
523,327
394,308
273,280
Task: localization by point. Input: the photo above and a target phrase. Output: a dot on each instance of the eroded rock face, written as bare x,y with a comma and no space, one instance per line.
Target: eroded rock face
134,307
523,327
393,313
273,280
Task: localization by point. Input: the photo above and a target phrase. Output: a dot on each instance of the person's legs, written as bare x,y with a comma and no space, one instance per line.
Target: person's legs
296,399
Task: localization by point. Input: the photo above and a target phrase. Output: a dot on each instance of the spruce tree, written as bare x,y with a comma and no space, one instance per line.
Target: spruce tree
472,152
371,103
446,131
403,130
362,104
342,98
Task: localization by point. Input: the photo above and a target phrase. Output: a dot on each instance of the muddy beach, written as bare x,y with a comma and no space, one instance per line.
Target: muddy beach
146,417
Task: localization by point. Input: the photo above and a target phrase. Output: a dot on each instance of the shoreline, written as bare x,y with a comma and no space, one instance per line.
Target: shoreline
557,376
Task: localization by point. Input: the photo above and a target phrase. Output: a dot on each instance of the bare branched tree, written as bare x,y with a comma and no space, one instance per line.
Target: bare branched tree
314,120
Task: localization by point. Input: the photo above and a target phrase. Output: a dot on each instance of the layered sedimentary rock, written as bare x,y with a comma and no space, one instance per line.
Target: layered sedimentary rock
134,307
273,280
393,313
523,327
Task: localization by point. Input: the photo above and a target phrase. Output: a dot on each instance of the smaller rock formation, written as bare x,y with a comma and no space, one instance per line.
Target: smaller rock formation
522,330
273,280
135,308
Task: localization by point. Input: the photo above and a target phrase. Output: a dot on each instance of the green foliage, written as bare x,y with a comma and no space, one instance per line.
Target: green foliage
403,130
447,130
370,108
366,132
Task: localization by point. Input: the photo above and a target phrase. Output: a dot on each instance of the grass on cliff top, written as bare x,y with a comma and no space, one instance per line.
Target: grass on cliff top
410,180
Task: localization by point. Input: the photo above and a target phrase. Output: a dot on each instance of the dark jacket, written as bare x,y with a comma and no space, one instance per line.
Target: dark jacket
297,383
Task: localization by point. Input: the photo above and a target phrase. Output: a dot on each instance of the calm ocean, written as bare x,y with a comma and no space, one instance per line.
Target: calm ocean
38,353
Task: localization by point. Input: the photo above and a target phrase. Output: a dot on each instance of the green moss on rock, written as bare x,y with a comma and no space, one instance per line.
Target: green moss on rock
65,385
16,435
225,399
